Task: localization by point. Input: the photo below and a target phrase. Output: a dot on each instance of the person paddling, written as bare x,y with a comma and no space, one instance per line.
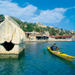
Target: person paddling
54,47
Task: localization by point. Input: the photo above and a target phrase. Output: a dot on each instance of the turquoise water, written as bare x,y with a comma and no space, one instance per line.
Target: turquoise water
36,60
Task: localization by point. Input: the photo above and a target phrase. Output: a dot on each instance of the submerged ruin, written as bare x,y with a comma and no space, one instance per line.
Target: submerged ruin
12,38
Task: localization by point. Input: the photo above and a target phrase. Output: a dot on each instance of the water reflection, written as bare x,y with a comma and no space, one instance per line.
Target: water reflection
36,60
69,63
12,66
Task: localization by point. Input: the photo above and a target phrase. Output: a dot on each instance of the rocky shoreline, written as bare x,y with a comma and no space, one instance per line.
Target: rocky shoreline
28,40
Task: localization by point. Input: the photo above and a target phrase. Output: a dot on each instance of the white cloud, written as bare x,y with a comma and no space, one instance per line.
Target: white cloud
12,9
50,16
28,13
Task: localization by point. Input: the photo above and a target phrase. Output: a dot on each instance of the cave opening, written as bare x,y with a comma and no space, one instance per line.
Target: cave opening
8,45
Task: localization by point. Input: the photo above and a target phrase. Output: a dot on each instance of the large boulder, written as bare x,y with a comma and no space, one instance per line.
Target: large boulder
12,37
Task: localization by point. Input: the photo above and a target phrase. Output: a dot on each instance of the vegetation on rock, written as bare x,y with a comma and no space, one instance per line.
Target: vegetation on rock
29,27
2,18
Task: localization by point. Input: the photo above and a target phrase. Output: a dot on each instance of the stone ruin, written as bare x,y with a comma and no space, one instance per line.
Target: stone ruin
12,38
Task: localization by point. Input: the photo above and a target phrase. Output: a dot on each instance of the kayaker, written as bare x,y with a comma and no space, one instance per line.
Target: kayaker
54,47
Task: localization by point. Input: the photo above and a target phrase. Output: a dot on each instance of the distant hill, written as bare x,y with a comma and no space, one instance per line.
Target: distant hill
37,27
29,27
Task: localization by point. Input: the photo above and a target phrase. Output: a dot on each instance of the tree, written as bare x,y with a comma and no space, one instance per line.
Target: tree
52,31
61,33
30,27
23,28
37,29
2,18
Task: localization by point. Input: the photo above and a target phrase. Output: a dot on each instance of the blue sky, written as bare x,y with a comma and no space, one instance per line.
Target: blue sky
59,13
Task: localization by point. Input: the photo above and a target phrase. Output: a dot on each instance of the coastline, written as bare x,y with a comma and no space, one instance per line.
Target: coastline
62,40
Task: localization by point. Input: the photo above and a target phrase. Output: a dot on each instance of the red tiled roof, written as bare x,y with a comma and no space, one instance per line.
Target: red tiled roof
61,36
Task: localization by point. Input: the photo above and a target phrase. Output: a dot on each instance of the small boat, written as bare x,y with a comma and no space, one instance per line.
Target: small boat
62,55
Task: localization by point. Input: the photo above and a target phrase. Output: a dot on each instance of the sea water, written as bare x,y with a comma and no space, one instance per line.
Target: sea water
37,60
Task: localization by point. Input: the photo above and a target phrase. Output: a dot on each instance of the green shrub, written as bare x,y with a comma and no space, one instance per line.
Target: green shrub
2,18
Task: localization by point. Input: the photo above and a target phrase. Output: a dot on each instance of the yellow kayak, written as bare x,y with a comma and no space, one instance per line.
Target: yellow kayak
62,55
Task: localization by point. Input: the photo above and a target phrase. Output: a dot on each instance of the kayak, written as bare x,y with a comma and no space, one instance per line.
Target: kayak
62,55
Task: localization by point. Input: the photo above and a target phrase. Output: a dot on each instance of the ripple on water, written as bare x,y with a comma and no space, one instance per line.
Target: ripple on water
38,61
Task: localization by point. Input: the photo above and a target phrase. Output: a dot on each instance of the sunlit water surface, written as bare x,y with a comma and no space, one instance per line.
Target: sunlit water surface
37,60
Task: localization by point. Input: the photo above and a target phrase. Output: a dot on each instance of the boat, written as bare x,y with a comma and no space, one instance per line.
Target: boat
62,55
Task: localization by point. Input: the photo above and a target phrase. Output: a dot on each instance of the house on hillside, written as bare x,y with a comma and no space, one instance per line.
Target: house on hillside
61,36
41,25
36,36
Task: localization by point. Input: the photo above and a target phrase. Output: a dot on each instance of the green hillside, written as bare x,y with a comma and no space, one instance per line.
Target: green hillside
29,27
